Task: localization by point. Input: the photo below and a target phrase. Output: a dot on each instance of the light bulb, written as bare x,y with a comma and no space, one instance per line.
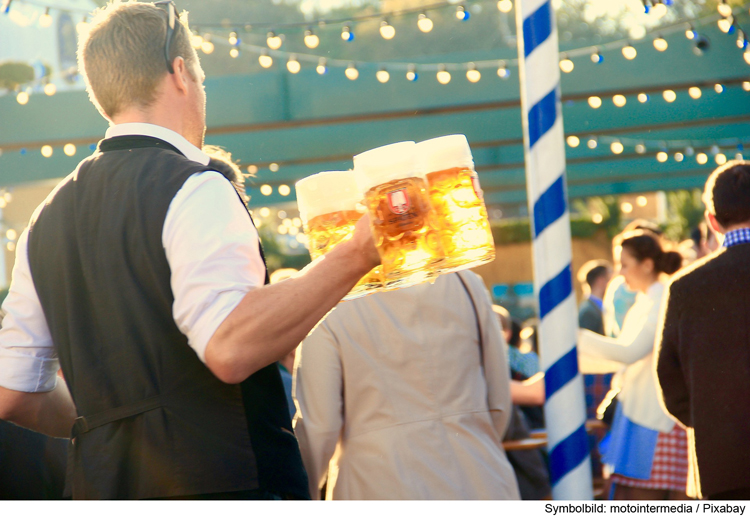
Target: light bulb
642,98
234,53
266,190
573,141
640,148
233,40
701,158
411,74
503,72
669,96
597,57
725,9
197,41
725,24
662,156
443,76
619,100
322,67
678,157
265,60
424,23
659,10
83,26
462,13
629,52
720,158
746,55
69,149
50,89
591,144
746,86
273,40
47,151
386,30
504,6
694,92
661,44
293,65
207,47
473,75
595,102
616,147
347,34
284,190
311,39
718,88
641,201
690,33
22,98
351,72
566,65
383,76
45,20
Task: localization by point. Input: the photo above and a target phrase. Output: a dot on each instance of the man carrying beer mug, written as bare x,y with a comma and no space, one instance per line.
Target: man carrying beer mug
141,276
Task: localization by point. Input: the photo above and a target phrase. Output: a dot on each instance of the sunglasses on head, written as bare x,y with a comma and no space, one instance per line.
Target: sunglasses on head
171,18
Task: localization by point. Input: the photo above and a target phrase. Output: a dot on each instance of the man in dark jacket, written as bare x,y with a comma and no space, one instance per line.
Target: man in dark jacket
703,345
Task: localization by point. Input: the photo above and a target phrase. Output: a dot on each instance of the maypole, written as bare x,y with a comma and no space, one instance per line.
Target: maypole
565,411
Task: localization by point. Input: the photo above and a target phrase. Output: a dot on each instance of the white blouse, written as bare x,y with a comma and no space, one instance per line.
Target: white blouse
633,353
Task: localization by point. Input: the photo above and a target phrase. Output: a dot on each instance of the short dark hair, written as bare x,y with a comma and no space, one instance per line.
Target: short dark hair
727,193
593,270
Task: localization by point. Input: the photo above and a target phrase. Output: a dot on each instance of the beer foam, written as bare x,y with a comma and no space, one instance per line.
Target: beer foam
327,192
385,164
445,152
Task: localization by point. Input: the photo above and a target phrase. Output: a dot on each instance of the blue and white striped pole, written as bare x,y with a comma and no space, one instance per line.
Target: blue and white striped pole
565,408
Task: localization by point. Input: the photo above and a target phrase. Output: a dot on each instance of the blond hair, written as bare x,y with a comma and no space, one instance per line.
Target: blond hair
122,57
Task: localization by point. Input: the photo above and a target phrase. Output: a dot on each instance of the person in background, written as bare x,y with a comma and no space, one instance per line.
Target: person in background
522,365
647,452
703,347
593,277
286,364
405,395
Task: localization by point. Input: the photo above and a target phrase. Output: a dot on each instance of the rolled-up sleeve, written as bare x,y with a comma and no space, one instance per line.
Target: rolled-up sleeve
28,360
318,395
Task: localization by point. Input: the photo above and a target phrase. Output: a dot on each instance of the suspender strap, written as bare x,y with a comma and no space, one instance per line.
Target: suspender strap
86,424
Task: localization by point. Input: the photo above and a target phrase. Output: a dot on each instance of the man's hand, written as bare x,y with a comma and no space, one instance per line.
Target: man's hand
363,240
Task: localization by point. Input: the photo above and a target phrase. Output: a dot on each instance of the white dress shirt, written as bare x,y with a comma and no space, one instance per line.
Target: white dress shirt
212,250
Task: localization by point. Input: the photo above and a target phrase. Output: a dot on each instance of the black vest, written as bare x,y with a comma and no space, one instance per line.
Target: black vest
155,421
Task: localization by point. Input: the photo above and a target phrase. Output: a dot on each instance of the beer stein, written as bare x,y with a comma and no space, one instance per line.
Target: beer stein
403,223
327,205
457,199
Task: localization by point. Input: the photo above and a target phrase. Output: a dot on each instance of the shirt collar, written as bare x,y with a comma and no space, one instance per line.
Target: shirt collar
738,236
596,301
190,151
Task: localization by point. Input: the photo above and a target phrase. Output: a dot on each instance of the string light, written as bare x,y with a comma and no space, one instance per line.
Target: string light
265,60
660,43
264,212
502,71
626,207
45,20
443,75
424,23
504,6
273,167
11,234
83,26
616,147
662,156
50,89
669,96
701,158
629,52
322,67
690,33
233,39
273,40
720,159
22,98
746,86
640,148
641,201
293,64
411,73
746,55
207,47
595,101
311,39
284,190
383,76
741,41
462,14
266,190
725,24
386,30
347,34
619,100
718,88
724,9
234,53
69,149
47,151
566,65
196,40
678,157
596,57
351,72
573,141
659,10
591,143
694,92
642,98
472,74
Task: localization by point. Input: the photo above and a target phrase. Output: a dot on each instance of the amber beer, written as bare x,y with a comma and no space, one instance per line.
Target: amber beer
328,208
403,222
456,196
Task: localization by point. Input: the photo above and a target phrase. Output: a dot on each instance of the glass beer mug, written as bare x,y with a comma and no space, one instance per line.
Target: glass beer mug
457,199
327,205
403,223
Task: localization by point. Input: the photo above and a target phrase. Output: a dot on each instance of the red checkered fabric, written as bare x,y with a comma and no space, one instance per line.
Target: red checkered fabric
669,469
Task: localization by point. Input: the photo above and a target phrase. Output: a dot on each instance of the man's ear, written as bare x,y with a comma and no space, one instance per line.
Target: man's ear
713,223
181,76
